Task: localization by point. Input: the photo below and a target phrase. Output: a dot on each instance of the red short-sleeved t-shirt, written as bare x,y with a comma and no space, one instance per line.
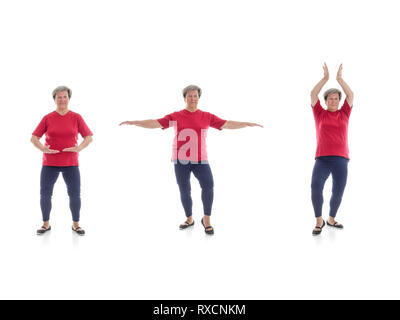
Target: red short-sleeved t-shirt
190,133
332,130
61,132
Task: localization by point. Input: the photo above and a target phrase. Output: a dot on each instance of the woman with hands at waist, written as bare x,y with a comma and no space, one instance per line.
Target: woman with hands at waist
60,154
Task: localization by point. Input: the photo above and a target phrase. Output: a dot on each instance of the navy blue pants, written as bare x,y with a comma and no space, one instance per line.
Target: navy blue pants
324,166
72,178
203,173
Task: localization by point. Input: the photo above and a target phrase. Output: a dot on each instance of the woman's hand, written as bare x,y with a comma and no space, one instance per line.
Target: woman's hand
349,93
72,149
78,148
127,122
229,124
326,71
339,73
46,149
250,124
148,124
315,91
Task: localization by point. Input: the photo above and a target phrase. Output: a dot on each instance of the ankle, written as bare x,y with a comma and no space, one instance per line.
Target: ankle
206,220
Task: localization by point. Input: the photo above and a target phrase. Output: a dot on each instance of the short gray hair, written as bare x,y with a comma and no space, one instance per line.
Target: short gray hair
191,88
332,91
60,89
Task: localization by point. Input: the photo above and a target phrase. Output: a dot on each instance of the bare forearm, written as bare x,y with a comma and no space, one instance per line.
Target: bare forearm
148,124
238,125
317,89
86,141
348,92
36,142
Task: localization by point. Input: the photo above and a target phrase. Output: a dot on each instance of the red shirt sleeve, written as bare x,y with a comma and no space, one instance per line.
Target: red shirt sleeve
166,121
346,109
317,109
83,129
216,122
41,128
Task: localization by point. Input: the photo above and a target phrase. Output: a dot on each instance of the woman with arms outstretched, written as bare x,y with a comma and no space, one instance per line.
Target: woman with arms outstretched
332,154
189,151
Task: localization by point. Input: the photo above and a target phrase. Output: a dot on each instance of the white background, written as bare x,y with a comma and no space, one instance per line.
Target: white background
255,61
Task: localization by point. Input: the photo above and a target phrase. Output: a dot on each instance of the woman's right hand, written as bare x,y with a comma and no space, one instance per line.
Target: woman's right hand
317,88
127,122
149,124
326,71
46,149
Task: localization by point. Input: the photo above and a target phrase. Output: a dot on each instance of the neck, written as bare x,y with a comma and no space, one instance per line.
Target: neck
62,111
191,109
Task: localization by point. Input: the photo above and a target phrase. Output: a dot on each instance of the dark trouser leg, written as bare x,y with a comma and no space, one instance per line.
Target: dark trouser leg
72,179
48,177
203,173
320,173
339,179
182,173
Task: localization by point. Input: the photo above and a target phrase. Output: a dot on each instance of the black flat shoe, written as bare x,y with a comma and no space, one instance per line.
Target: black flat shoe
209,230
335,225
317,232
79,231
42,230
186,225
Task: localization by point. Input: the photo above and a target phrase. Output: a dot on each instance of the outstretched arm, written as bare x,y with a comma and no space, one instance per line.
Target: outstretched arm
345,87
316,90
149,124
238,125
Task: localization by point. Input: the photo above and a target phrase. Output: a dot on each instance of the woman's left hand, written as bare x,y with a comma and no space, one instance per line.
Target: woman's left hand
72,149
250,124
339,73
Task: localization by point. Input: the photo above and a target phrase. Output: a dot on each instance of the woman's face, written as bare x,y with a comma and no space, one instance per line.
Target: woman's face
192,99
62,100
332,102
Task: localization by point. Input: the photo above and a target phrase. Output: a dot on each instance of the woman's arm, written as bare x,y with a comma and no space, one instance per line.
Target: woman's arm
36,142
316,90
238,125
86,141
149,124
345,87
